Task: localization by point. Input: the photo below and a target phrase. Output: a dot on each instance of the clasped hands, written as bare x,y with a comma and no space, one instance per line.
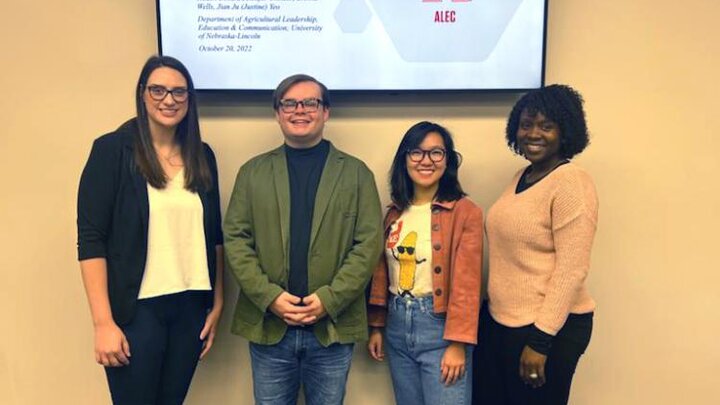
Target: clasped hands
297,311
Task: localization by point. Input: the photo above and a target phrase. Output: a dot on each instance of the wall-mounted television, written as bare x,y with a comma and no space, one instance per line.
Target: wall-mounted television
358,44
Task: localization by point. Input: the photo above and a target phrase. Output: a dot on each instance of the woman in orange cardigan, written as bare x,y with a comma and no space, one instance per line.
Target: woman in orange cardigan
425,293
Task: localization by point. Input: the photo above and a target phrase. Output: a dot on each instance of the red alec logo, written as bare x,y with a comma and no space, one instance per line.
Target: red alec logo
394,236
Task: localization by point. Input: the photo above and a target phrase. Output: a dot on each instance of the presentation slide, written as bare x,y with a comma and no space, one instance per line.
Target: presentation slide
357,44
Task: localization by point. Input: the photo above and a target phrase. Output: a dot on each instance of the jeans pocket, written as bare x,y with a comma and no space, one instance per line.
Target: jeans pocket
438,317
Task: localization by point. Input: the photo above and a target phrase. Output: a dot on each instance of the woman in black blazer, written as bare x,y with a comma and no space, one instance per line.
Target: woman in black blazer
150,242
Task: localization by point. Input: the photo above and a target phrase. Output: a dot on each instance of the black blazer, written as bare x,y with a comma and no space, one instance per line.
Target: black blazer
113,212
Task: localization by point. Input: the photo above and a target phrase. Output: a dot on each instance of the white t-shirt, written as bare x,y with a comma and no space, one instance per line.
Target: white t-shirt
176,256
408,252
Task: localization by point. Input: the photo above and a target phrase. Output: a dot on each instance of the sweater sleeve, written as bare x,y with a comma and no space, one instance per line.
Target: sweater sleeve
574,220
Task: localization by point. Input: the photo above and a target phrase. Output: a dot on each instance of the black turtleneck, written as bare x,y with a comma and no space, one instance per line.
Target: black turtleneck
305,166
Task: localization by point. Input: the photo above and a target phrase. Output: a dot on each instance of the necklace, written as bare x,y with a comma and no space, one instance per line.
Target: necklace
169,158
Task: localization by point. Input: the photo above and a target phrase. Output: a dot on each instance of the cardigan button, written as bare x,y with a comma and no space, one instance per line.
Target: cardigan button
435,210
437,246
438,292
436,227
438,270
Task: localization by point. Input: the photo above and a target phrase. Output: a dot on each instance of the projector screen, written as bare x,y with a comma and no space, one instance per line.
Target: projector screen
358,44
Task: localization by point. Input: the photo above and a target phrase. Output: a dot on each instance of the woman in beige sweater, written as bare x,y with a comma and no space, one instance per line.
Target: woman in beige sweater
540,234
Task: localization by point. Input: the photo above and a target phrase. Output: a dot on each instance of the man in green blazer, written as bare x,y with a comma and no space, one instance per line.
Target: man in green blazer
302,236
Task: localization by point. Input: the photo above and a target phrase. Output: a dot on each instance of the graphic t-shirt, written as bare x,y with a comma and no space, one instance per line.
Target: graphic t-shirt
408,252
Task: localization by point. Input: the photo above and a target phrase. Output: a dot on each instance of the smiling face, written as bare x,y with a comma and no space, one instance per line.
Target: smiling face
426,174
303,129
166,113
538,139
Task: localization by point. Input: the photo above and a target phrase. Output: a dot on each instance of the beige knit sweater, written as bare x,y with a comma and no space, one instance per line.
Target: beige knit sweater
539,247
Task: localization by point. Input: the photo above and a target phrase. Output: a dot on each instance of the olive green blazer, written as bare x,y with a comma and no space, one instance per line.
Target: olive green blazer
345,245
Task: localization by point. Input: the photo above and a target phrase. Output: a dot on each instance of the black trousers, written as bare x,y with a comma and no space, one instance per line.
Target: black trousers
497,361
165,345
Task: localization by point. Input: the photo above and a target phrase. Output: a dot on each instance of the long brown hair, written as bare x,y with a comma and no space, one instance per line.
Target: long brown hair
197,172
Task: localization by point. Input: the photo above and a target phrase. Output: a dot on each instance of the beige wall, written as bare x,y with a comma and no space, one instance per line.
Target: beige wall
648,70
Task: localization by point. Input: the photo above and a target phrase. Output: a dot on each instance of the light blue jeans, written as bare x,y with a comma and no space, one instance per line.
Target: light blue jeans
299,359
415,346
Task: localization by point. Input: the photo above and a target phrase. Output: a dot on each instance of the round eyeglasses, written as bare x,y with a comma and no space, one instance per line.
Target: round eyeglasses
158,93
417,155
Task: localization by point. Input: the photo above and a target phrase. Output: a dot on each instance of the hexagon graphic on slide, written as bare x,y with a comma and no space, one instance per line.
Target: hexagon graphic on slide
352,15
445,30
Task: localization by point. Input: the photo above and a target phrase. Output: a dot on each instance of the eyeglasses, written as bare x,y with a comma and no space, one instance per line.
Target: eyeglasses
289,105
417,155
158,93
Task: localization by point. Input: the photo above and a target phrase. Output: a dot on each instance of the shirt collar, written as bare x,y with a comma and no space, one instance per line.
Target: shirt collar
448,205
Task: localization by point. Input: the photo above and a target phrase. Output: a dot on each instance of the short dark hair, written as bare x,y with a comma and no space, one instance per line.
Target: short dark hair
559,103
288,82
197,171
402,189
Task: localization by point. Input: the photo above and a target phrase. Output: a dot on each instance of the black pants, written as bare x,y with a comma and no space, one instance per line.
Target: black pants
497,361
165,345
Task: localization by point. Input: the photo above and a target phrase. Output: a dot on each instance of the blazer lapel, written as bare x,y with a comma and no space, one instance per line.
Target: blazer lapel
282,192
326,189
140,186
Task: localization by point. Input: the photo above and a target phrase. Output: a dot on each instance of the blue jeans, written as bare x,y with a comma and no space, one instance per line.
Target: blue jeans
415,347
280,369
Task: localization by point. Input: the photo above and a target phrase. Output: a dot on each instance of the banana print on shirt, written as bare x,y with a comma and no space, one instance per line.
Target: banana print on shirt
408,263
